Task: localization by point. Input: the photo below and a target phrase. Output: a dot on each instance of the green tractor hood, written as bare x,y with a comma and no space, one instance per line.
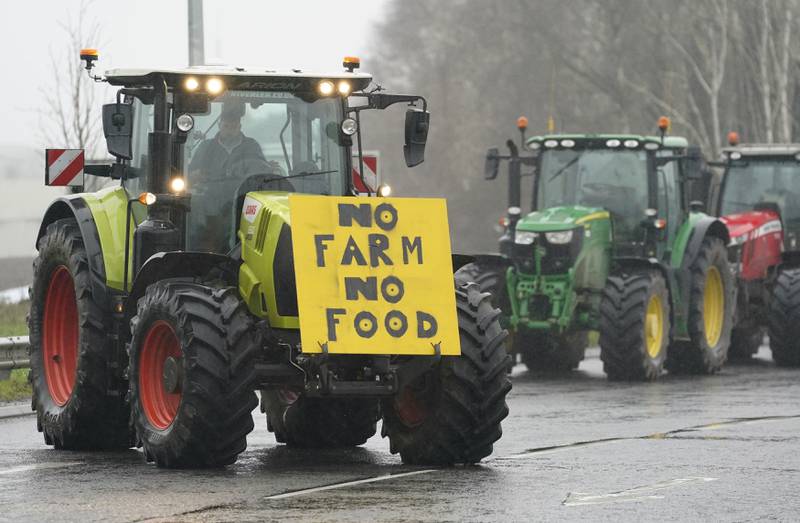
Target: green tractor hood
560,218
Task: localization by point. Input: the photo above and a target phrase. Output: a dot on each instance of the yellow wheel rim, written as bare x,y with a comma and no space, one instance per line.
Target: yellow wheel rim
654,326
713,306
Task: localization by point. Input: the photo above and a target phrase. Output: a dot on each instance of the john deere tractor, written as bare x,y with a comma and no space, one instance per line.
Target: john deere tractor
612,243
232,257
757,195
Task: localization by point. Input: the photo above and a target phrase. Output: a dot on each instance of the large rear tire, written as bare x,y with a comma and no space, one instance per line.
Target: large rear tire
452,413
710,313
489,278
71,352
190,356
545,352
299,421
784,319
635,326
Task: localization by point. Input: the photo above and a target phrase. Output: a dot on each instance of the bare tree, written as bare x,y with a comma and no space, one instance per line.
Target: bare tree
70,117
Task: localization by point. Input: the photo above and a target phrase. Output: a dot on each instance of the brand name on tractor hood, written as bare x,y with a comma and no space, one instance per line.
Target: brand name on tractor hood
281,85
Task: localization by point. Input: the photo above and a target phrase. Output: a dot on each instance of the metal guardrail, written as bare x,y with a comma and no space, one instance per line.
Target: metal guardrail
13,354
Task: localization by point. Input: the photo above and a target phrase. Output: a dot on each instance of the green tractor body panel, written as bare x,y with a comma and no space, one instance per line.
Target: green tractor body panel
266,276
683,236
109,209
558,290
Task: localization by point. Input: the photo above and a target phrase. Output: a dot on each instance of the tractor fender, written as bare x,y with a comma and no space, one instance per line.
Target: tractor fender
179,264
459,260
76,207
703,227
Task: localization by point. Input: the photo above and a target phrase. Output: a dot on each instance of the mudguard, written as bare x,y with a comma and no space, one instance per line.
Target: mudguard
180,264
76,207
701,228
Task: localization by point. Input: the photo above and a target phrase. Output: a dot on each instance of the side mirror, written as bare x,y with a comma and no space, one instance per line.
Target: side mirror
694,163
417,123
118,129
492,164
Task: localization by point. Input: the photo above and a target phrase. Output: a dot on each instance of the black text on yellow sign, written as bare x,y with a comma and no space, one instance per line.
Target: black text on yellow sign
374,276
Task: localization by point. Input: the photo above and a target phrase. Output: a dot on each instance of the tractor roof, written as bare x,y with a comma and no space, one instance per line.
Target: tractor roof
670,142
764,149
237,77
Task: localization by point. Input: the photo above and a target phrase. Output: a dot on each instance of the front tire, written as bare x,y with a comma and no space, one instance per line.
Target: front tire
784,322
452,413
71,353
190,355
635,326
710,313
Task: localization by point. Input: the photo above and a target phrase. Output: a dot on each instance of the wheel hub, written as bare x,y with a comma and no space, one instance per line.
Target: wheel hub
172,375
160,375
654,326
713,307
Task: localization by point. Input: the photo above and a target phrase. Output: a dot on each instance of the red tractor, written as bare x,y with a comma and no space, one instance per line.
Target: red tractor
758,197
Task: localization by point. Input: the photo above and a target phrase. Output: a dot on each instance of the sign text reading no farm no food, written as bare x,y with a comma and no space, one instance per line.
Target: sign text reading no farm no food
374,276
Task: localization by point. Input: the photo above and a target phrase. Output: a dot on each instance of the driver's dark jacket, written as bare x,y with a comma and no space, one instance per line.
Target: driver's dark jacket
213,160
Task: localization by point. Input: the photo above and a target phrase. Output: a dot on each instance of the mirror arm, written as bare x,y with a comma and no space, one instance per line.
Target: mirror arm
382,101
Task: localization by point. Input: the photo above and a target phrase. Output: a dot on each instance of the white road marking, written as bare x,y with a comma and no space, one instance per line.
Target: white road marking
385,477
635,494
37,466
573,499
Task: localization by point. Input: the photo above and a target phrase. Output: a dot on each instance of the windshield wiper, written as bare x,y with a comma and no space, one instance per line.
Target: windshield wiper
299,175
566,166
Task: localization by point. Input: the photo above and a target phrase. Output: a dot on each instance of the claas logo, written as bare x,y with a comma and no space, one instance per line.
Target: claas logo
374,276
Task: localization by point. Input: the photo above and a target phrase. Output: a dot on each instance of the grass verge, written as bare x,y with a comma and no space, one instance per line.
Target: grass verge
12,323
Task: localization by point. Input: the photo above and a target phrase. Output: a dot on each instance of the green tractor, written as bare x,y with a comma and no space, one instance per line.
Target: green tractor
161,304
614,245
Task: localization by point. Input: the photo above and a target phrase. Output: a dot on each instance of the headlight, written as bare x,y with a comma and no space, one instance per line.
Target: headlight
184,123
559,237
344,88
326,88
349,126
524,237
214,86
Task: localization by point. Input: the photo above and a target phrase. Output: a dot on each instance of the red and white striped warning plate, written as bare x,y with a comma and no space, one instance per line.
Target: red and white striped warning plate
370,172
64,167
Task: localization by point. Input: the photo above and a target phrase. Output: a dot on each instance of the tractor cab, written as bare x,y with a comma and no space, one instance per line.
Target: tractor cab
760,185
633,179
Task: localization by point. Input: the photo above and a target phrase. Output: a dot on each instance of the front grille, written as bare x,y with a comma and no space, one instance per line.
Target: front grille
555,258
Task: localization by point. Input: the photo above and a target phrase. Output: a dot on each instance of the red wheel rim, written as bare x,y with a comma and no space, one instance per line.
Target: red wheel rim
60,336
410,410
160,406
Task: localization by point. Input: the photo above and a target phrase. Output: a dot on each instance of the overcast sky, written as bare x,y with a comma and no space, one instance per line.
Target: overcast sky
305,34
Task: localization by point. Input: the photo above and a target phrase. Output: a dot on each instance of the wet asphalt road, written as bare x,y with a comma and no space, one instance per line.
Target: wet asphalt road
717,448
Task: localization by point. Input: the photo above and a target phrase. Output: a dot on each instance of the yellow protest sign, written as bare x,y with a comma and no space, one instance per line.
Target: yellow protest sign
374,275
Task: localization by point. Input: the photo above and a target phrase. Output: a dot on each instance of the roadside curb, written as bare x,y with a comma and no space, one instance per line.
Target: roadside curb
15,410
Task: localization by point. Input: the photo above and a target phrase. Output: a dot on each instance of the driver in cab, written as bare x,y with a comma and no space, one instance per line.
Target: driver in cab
219,167
216,156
